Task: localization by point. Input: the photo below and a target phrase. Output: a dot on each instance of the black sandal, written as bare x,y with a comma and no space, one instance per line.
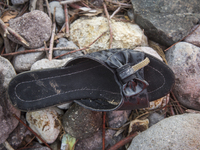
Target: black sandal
102,81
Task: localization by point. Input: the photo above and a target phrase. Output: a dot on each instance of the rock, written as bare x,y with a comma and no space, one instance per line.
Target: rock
155,118
34,27
46,123
7,71
85,30
7,121
174,133
159,103
45,63
149,51
17,2
37,146
56,145
184,60
65,106
164,22
194,38
59,15
16,138
63,42
24,62
117,119
80,122
137,125
95,142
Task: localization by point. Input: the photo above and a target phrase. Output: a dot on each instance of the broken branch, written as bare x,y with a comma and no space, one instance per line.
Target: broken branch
81,48
66,21
8,30
109,23
123,142
31,131
52,41
69,1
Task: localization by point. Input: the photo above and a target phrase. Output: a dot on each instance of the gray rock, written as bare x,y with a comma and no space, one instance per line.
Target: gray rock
184,60
95,142
166,22
7,121
37,146
59,15
16,138
24,62
45,63
175,133
194,38
34,27
80,122
17,2
7,71
155,118
116,119
63,42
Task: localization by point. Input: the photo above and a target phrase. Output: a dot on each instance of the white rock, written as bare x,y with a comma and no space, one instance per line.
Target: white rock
45,123
64,106
59,15
23,62
149,51
7,70
125,35
45,63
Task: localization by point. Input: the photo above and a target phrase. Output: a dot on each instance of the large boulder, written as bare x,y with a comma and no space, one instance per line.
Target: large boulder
174,133
184,60
164,21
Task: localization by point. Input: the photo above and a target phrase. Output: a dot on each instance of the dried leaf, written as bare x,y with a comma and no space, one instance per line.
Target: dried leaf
9,14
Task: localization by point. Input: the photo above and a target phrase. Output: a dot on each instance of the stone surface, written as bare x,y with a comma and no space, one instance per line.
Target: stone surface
17,2
155,118
149,51
175,133
24,62
116,119
7,121
194,38
16,138
34,27
37,146
63,42
59,15
85,30
184,60
46,123
80,122
45,63
166,22
7,71
95,142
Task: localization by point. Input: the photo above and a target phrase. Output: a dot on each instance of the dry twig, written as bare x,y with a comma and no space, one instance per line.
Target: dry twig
8,146
81,48
120,4
123,142
48,8
32,131
36,50
182,38
103,130
8,30
115,12
110,27
66,21
52,41
69,1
